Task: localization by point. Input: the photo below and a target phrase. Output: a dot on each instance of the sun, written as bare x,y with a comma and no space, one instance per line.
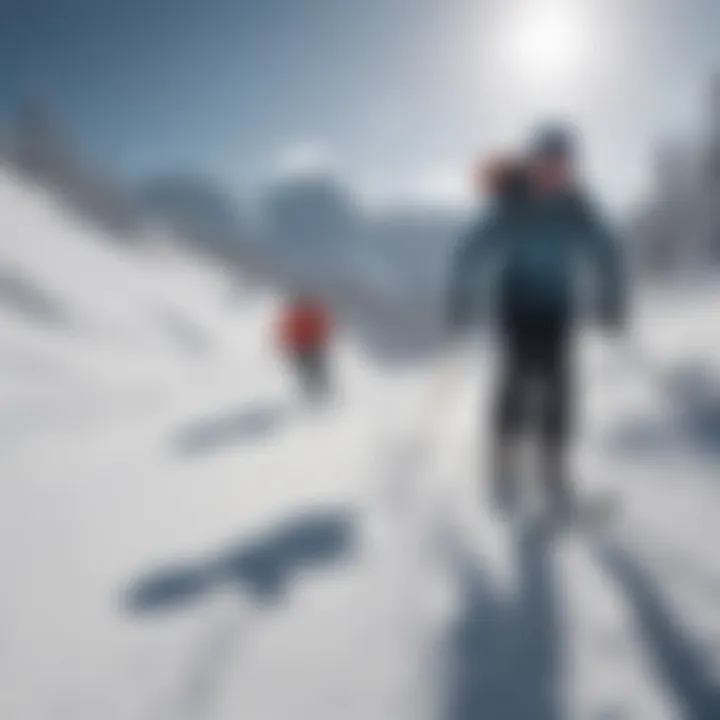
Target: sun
547,43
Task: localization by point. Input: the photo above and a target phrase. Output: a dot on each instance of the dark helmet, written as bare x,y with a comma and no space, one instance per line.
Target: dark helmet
554,141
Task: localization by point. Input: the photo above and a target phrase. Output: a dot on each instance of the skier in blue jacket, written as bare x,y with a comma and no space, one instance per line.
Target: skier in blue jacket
534,236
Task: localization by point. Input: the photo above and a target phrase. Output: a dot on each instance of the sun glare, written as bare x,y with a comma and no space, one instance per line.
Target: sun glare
548,43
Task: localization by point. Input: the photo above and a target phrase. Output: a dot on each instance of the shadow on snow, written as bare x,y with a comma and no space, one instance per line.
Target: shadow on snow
263,567
678,661
504,654
250,424
694,422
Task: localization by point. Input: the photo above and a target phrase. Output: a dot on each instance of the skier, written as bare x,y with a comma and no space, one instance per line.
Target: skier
305,330
538,226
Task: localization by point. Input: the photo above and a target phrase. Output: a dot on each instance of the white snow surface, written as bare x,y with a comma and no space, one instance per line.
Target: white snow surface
150,434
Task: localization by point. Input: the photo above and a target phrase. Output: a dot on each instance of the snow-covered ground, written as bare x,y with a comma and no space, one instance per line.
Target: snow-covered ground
181,538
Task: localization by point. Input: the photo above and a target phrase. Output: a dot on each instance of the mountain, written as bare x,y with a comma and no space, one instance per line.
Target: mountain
36,147
199,212
383,271
312,226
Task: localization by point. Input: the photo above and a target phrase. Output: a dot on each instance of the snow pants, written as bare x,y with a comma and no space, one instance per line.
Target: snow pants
534,391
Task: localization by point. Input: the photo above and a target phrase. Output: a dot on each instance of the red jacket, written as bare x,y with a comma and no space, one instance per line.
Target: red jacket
305,326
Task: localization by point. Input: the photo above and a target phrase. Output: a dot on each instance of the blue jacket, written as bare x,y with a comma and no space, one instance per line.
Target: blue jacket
534,248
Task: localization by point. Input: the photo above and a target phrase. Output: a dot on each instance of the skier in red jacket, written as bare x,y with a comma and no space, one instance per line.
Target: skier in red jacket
305,332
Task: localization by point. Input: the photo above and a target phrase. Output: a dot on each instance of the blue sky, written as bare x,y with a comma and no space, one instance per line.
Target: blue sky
398,96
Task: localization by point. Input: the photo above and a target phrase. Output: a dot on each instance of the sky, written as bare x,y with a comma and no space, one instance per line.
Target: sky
398,97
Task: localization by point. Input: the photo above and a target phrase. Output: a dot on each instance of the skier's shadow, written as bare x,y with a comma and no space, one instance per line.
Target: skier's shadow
249,424
504,652
263,567
695,421
677,660
697,394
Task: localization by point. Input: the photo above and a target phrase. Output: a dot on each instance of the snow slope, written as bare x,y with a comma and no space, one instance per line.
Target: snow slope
180,538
